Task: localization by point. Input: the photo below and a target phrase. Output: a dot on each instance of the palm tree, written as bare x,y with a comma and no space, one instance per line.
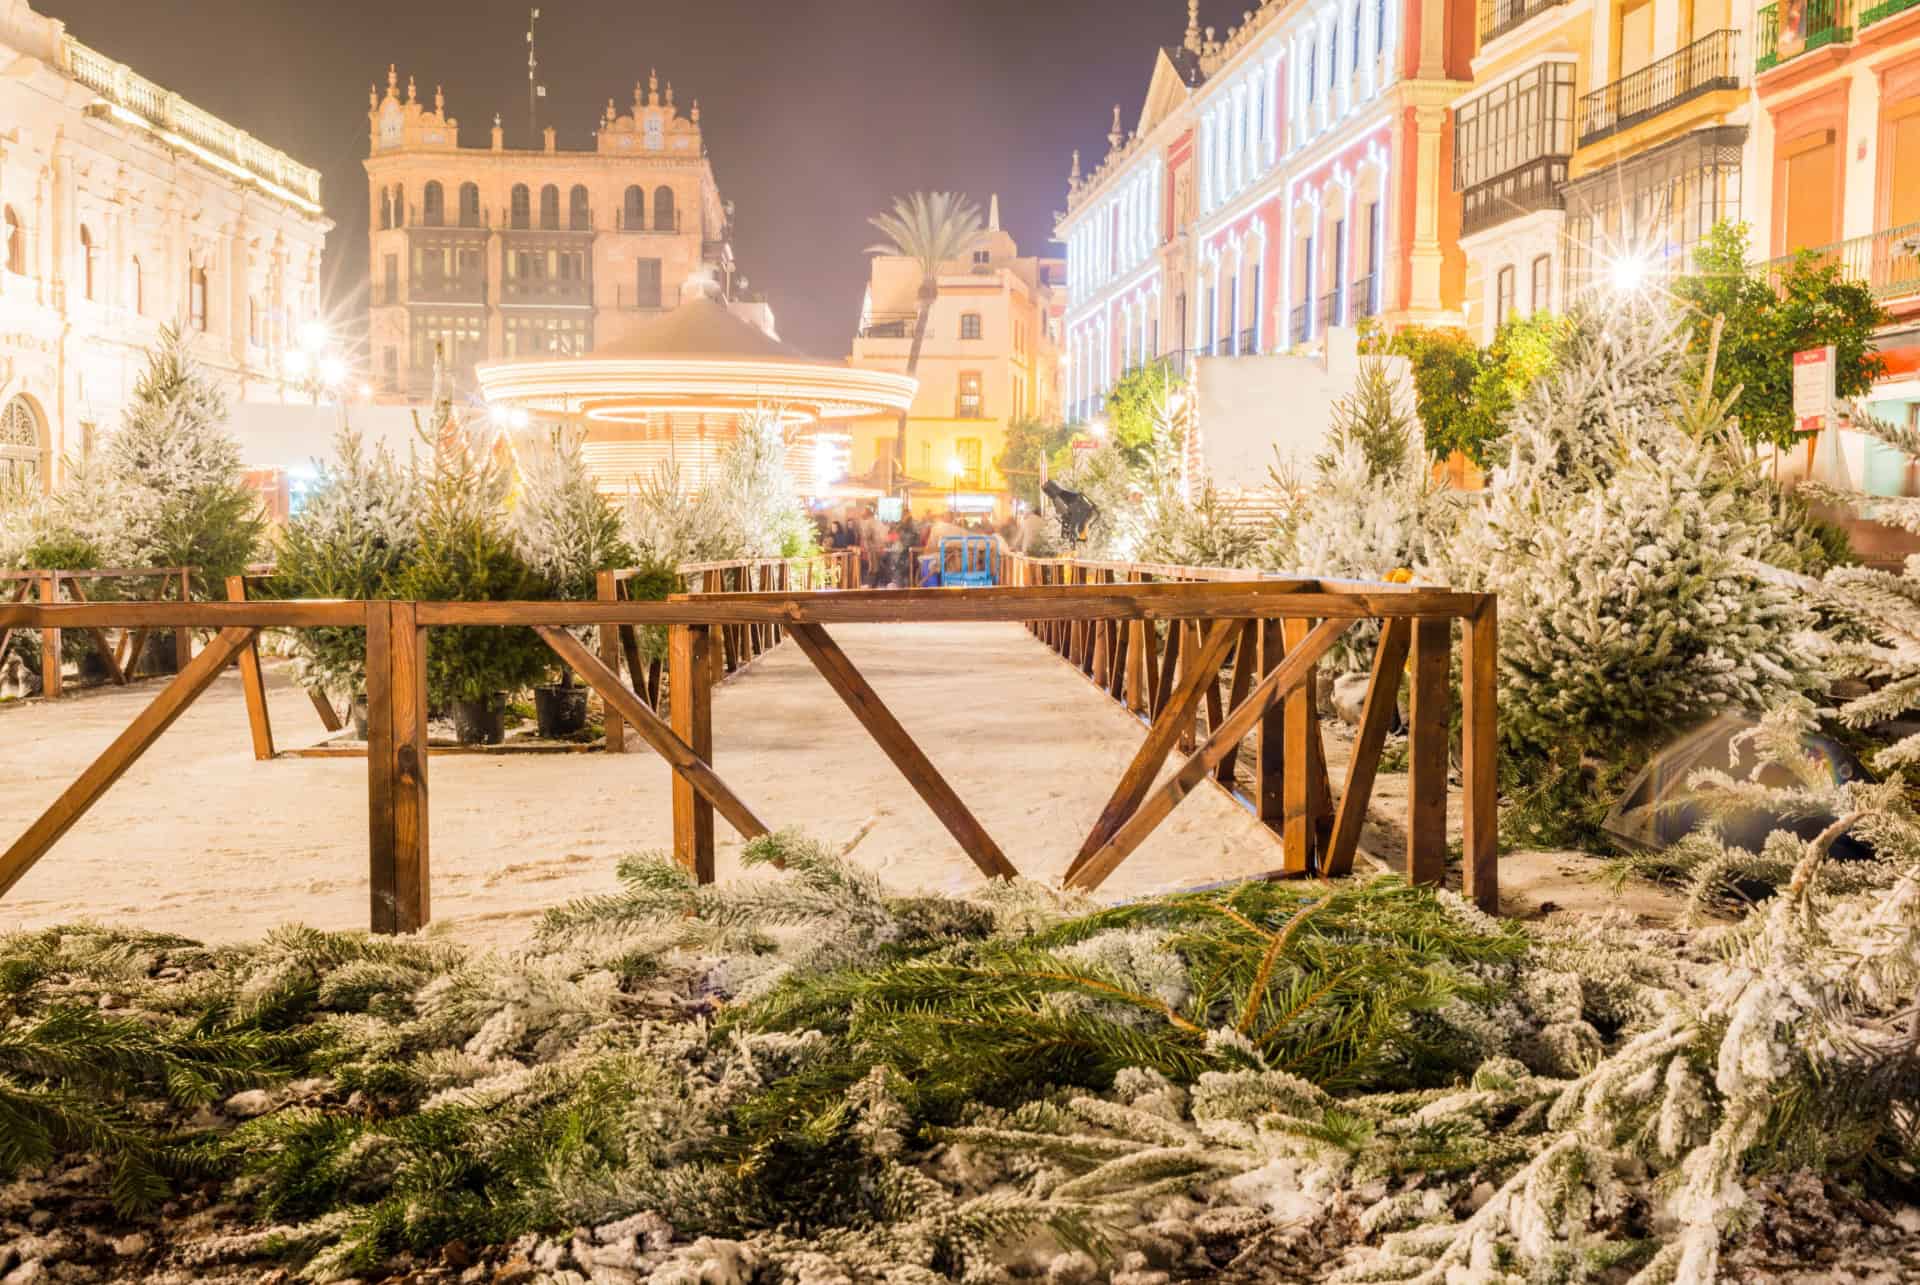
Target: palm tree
932,229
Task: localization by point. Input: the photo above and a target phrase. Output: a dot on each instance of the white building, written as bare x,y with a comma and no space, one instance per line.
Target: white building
126,208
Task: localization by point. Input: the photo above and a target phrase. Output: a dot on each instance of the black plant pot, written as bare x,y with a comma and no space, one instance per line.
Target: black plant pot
159,656
560,711
93,667
481,722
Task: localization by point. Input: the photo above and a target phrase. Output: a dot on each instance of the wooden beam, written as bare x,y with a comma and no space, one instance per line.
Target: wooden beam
1427,739
1479,746
690,656
1161,738
1297,732
1284,682
125,751
329,716
607,589
52,679
920,772
99,637
1245,655
1383,698
1270,750
253,685
655,731
398,865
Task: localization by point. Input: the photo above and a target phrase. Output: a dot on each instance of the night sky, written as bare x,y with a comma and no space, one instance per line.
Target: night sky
816,112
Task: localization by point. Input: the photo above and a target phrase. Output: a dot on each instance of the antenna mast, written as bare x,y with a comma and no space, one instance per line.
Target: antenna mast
535,90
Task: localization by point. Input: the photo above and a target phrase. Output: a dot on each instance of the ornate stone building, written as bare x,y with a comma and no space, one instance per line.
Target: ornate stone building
124,207
494,254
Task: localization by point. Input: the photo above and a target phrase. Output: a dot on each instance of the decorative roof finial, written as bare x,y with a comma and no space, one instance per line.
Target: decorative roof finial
1116,135
1074,177
993,213
1192,42
439,100
653,88
496,120
373,97
608,118
696,111
393,81
669,93
410,89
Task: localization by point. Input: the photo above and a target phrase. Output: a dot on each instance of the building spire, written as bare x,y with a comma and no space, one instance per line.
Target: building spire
993,213
1074,177
1116,135
653,88
1192,42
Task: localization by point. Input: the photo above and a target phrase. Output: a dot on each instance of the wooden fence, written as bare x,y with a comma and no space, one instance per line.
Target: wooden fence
119,659
1275,631
1190,680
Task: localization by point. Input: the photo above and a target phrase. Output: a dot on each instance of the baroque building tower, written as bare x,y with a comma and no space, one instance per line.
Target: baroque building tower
490,253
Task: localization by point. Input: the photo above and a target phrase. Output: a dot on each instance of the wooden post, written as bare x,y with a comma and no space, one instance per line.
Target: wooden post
50,673
607,589
1297,727
252,683
183,638
1270,753
691,680
1427,753
397,768
1480,879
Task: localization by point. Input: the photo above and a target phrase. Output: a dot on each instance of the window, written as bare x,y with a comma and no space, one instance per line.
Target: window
633,214
386,208
1502,296
521,207
968,404
433,205
1379,26
1253,303
1812,208
1667,198
579,216
969,325
390,363
664,217
1339,266
1542,283
1356,36
255,321
982,258
1333,54
550,208
1511,144
86,261
469,205
197,299
391,293
20,462
1310,82
966,453
1232,338
16,244
399,206
459,338
139,285
647,284
536,335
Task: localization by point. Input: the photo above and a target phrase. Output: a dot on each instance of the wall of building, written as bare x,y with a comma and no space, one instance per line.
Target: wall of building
111,232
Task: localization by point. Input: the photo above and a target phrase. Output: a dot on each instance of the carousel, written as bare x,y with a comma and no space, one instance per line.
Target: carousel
674,392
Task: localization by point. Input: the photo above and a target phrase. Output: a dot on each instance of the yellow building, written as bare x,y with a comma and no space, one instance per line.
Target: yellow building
491,254
990,357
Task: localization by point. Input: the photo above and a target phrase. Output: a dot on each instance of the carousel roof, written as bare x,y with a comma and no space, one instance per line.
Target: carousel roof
700,358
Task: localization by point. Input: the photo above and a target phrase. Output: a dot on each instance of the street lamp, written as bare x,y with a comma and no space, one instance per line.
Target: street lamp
954,469
1627,273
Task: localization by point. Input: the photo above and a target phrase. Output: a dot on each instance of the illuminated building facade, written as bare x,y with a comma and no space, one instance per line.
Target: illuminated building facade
492,254
125,208
1290,177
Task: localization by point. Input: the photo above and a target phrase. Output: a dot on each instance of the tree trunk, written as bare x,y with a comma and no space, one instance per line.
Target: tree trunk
929,291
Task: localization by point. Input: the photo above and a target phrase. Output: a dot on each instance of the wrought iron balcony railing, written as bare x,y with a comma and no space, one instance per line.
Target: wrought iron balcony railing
1249,342
1498,17
437,288
1884,10
1709,63
1537,185
1300,322
1366,296
1330,308
546,291
1822,23
1888,261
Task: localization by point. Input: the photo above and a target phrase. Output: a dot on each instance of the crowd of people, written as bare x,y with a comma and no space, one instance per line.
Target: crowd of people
899,555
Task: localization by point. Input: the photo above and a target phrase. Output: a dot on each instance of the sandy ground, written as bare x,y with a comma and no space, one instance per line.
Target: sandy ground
201,839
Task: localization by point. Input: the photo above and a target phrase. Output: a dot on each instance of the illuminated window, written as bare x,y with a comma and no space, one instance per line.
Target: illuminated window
664,217
969,404
579,216
969,325
521,207
647,284
469,205
20,455
1503,295
633,215
550,208
433,205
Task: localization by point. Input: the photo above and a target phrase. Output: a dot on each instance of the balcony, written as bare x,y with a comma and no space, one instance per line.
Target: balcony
1300,322
1537,185
1887,261
1366,296
1249,342
437,288
1823,22
1884,10
547,293
1709,63
891,325
1498,17
1330,308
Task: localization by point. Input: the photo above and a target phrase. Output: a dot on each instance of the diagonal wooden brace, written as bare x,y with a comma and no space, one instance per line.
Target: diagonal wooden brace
1274,688
913,763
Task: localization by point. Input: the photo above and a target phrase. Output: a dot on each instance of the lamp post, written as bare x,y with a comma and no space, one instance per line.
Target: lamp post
313,366
953,495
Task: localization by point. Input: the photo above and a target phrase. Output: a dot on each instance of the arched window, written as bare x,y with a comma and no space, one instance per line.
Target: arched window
579,217
521,216
633,216
21,458
399,206
664,218
469,205
16,244
550,208
433,205
386,208
197,299
86,261
139,290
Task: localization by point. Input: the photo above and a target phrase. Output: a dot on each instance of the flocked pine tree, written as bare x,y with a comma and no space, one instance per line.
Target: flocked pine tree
186,502
563,526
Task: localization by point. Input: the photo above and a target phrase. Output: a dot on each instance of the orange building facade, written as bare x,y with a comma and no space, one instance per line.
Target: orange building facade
493,254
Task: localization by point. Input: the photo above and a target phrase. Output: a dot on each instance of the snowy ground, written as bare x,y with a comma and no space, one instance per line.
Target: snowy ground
200,839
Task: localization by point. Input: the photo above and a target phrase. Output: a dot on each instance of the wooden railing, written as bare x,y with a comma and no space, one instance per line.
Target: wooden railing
1185,682
120,658
1272,631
